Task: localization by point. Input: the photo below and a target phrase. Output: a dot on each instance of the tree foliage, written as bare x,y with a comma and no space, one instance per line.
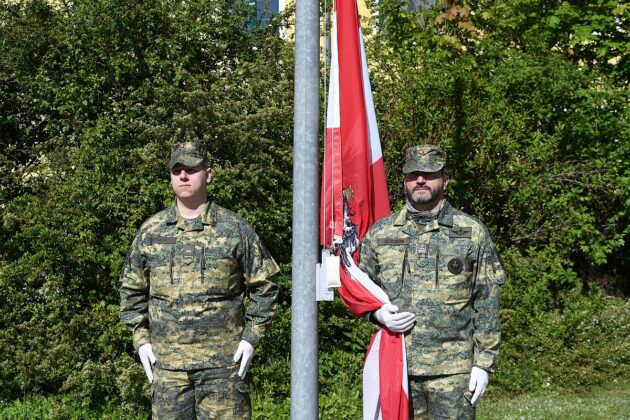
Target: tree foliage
530,100
528,97
538,139
93,94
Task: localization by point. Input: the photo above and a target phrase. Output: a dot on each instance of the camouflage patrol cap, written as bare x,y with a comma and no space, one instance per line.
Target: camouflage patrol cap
188,154
424,158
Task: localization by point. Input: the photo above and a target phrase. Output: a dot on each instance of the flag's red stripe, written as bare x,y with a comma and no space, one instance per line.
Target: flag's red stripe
357,298
348,168
353,118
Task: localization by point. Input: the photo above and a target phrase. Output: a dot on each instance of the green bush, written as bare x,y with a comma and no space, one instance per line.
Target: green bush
537,137
133,387
573,348
529,102
92,95
61,407
265,407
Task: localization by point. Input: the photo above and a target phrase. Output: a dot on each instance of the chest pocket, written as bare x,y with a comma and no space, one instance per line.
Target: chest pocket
159,265
159,258
454,275
220,271
393,265
390,278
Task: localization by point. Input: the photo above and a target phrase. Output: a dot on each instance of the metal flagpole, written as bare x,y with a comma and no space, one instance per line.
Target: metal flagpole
304,315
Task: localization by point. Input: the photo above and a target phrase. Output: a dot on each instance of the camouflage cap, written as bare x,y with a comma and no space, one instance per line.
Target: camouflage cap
188,154
424,158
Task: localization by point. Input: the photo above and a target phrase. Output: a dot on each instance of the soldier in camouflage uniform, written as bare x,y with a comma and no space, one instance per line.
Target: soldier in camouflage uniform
183,284
440,267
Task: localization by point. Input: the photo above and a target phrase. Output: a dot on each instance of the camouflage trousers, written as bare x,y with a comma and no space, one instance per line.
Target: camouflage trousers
200,394
441,397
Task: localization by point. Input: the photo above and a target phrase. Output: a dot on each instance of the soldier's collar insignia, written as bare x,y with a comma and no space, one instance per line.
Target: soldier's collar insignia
460,232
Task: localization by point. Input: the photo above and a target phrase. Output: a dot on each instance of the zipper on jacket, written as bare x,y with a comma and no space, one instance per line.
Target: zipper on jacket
405,269
437,267
405,266
170,264
203,261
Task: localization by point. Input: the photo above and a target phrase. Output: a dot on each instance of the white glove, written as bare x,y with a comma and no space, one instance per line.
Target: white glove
244,353
147,358
478,383
389,317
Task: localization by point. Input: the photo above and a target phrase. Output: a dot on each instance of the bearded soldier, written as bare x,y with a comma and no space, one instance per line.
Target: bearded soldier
442,274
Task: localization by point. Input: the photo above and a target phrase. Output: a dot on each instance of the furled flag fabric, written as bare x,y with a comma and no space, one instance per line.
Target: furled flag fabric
354,196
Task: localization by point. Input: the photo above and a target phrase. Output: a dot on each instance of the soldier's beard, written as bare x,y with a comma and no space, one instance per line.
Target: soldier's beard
424,200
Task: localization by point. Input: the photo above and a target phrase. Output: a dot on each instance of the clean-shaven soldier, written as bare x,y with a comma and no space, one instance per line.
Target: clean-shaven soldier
183,284
442,274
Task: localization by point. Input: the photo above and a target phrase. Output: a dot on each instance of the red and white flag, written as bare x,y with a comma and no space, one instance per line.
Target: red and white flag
354,196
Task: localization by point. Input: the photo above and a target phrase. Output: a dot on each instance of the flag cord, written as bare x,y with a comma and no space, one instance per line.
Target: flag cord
327,53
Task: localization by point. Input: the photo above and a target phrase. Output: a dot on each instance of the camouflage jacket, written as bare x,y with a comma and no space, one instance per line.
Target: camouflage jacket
448,273
183,285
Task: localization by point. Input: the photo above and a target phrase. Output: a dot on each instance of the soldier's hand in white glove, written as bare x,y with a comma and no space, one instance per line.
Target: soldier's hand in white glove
147,358
393,320
478,383
245,354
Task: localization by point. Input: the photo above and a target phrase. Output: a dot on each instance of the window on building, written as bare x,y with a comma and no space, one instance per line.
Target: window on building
264,8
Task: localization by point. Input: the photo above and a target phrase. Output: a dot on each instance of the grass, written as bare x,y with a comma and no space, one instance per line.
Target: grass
611,402
62,408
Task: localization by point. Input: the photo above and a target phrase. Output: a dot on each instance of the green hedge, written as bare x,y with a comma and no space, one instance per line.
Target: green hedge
531,107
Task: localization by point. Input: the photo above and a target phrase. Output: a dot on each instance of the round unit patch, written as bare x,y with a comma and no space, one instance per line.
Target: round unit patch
455,266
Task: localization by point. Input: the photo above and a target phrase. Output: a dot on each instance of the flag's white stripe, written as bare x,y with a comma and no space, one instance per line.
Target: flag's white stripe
333,114
371,381
364,280
405,379
375,142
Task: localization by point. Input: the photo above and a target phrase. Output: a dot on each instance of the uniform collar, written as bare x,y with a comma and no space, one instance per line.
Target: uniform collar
208,216
446,215
172,214
445,218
